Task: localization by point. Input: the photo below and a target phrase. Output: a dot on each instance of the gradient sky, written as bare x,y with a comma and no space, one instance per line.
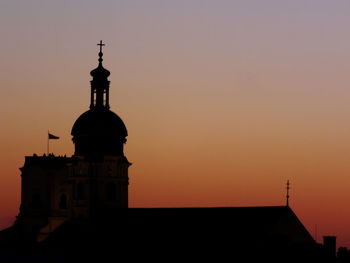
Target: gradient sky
223,100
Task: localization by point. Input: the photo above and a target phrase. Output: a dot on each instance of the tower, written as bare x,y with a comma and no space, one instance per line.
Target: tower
93,183
100,175
99,132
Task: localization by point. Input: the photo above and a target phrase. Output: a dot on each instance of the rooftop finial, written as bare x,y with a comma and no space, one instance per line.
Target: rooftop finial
287,196
101,45
100,54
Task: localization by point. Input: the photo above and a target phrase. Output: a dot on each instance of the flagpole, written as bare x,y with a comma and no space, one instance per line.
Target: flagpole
50,137
48,143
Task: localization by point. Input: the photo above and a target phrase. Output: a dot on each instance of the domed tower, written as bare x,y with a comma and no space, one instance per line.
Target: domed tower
99,132
100,173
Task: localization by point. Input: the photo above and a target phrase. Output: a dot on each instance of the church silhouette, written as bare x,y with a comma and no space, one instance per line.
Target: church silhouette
76,208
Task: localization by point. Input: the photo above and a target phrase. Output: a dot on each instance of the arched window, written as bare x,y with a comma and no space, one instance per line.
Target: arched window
111,192
63,202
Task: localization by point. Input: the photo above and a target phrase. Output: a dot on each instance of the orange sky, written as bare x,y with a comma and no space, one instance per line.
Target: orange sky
223,102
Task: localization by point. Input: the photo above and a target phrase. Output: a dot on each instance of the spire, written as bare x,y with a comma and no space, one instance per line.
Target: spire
100,84
100,54
287,195
100,71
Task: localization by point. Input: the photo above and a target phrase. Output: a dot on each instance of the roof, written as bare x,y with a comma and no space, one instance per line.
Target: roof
99,122
47,161
253,223
198,234
239,225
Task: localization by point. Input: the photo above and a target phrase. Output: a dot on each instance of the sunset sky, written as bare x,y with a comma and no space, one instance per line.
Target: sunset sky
224,100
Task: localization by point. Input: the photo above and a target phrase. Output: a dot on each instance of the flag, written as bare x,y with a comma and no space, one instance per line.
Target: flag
53,137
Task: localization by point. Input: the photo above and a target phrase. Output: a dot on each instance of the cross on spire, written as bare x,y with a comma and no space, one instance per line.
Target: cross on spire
101,45
287,196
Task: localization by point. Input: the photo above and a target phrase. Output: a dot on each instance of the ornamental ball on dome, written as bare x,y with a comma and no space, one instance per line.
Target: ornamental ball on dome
100,71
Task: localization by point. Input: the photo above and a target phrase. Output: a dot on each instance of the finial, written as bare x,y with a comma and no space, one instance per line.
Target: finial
101,45
100,71
287,196
100,54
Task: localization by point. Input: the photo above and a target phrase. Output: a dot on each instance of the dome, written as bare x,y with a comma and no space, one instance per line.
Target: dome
100,72
99,132
101,122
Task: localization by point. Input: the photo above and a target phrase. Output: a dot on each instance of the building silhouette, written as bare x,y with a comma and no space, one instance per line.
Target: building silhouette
76,208
93,182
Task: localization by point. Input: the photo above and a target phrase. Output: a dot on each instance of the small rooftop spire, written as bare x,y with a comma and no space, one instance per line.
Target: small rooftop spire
287,195
99,84
100,54
100,71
